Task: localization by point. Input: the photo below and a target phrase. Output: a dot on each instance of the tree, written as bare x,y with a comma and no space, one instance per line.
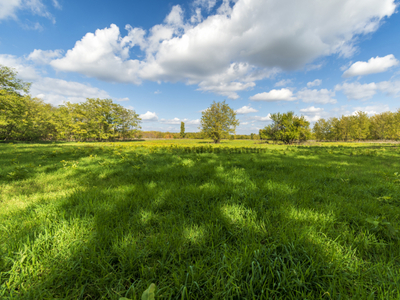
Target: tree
288,127
359,127
182,130
9,81
218,121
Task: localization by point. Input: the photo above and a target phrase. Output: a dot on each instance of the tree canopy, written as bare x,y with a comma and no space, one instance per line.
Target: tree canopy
218,121
9,81
287,127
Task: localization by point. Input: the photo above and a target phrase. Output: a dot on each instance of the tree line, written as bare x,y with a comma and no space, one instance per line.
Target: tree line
359,127
23,117
30,119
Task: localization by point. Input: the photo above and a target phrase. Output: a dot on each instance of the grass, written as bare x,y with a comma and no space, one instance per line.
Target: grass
104,221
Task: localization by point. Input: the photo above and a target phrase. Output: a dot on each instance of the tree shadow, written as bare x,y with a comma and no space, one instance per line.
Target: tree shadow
209,226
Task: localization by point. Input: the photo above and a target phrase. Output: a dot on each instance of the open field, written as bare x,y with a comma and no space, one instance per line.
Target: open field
239,220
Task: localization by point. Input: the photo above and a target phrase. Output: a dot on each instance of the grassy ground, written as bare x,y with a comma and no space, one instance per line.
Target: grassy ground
103,221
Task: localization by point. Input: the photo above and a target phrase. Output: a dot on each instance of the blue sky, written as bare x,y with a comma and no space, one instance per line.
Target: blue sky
170,60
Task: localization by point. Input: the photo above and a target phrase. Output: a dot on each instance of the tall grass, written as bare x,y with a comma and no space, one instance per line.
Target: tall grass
233,221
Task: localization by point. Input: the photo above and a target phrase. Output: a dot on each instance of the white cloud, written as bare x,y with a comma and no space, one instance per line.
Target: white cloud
283,82
193,122
311,110
374,65
207,4
262,119
197,17
357,91
25,72
57,91
51,90
44,57
312,67
57,4
391,88
157,92
274,95
253,36
322,96
372,110
123,99
245,110
316,82
103,55
32,26
176,121
149,117
9,8
312,114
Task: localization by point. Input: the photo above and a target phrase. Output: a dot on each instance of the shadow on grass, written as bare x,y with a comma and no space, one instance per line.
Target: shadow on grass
205,226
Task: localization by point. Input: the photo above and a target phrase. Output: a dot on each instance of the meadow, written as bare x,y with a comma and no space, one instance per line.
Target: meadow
239,220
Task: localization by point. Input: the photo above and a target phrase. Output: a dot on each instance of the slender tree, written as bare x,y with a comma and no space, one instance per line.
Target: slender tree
182,134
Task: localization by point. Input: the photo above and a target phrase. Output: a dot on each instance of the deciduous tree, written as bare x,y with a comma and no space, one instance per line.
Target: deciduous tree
218,121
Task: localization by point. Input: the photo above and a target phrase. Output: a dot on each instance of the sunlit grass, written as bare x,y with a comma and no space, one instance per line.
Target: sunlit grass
249,220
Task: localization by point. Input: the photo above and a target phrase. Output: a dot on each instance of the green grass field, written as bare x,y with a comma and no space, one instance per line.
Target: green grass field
244,221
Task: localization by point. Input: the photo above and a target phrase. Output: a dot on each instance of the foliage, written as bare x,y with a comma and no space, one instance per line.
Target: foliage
218,121
182,134
383,126
235,220
10,83
287,127
30,119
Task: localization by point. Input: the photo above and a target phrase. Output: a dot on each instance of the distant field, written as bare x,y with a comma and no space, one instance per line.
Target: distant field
238,220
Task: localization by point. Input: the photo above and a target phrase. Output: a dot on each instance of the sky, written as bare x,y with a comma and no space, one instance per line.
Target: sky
169,60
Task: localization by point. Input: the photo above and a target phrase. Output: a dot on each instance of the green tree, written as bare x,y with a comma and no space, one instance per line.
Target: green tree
182,130
9,81
359,128
218,121
323,130
288,127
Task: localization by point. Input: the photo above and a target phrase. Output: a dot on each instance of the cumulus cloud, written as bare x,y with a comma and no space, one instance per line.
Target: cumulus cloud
372,109
149,117
225,53
274,95
311,109
262,119
57,91
51,90
322,96
373,65
312,114
44,57
316,82
123,99
207,4
357,91
391,88
25,72
245,110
